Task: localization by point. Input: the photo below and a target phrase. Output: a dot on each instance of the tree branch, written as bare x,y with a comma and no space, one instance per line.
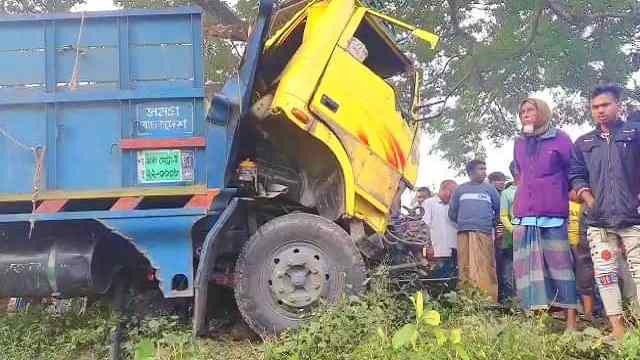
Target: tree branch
237,32
446,66
443,101
220,11
534,29
584,19
455,88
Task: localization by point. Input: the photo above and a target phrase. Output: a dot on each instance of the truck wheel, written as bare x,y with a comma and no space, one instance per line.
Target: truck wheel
290,265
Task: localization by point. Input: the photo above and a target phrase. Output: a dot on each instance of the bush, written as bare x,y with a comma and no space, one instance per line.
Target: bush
457,326
35,335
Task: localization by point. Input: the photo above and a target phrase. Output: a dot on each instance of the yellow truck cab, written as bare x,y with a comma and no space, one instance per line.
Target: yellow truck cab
332,121
335,72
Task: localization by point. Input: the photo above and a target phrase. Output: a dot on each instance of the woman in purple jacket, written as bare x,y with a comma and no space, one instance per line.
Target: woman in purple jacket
542,258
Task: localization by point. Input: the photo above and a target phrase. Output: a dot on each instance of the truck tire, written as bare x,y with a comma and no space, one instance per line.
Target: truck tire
292,264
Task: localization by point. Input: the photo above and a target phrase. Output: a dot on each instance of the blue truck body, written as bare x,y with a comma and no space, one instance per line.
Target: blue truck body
97,107
77,85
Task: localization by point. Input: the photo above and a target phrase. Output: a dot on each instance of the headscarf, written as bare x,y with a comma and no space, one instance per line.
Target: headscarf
544,114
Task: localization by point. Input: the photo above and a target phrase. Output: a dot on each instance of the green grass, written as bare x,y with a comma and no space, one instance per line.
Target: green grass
358,329
38,335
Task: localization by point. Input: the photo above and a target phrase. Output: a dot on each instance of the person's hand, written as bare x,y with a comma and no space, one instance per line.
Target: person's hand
587,196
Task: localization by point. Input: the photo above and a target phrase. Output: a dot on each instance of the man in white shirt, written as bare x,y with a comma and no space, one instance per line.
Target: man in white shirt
444,234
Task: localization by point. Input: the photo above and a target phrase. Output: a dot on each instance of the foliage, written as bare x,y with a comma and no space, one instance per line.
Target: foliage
34,335
377,326
492,54
36,6
457,326
39,335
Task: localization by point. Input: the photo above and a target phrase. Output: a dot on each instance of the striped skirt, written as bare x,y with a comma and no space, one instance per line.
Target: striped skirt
543,267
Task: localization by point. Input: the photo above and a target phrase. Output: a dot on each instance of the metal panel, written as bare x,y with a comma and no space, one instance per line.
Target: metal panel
17,36
160,30
136,74
17,161
95,32
162,64
166,241
28,59
88,155
95,67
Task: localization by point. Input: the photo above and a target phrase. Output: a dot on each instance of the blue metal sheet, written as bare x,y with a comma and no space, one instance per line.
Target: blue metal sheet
102,215
134,74
160,30
181,10
95,67
17,163
30,59
13,96
171,64
95,32
166,242
88,155
17,36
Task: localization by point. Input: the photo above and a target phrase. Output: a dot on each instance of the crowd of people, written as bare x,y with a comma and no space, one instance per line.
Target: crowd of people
556,234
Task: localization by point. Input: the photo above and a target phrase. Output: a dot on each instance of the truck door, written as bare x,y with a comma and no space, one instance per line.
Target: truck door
356,98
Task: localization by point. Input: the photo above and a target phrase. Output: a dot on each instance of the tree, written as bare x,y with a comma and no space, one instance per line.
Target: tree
494,53
36,6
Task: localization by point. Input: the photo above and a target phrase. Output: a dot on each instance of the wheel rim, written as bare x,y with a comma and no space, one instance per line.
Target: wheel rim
298,276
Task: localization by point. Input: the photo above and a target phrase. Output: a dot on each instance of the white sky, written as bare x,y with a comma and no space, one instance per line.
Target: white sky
95,5
432,169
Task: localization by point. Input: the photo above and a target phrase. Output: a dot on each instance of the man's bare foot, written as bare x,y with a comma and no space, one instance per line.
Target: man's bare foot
617,326
572,320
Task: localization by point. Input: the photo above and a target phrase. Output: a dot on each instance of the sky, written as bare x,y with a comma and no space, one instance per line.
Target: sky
95,5
432,168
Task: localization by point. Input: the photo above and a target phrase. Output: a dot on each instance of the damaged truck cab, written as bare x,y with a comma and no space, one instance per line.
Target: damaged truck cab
335,73
280,188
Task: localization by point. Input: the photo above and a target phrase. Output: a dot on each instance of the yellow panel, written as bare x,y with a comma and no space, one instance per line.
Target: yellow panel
373,217
324,134
305,68
371,119
370,139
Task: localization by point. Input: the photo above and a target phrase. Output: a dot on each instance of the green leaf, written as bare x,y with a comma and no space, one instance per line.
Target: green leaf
432,317
145,350
456,336
381,333
441,338
462,353
419,304
407,334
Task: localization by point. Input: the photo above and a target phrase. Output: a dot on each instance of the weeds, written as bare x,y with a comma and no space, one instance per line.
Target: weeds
377,326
